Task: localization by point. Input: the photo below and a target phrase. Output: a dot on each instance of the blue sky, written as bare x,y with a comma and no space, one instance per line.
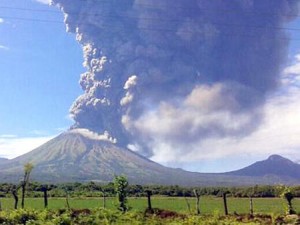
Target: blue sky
40,66
37,61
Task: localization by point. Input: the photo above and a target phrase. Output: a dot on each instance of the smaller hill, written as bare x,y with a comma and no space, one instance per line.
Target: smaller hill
2,160
274,166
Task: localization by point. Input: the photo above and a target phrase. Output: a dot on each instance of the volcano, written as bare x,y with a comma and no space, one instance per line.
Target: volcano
75,157
275,165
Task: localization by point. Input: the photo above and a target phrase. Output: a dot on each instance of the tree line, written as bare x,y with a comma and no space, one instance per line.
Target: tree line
93,189
120,188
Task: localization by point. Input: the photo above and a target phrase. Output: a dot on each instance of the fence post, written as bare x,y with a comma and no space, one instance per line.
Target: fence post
225,203
149,193
188,204
197,201
45,197
251,206
104,199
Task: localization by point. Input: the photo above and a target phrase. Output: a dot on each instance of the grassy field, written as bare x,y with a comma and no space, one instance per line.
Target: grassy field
208,205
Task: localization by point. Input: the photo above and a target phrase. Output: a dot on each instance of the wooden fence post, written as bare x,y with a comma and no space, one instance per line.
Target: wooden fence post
104,199
225,203
197,201
67,200
188,204
149,193
251,206
45,190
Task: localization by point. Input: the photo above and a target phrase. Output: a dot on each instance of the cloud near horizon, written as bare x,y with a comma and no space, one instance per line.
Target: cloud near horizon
12,146
2,47
47,2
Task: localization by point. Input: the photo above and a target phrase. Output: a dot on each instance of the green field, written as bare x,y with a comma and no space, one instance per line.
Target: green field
208,205
174,211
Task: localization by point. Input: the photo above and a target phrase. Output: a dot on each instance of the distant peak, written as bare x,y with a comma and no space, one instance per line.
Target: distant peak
280,159
276,158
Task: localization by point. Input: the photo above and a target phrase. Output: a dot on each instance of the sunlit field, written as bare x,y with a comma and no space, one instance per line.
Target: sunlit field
208,205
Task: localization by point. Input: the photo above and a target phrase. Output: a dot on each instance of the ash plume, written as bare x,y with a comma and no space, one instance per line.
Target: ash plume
169,74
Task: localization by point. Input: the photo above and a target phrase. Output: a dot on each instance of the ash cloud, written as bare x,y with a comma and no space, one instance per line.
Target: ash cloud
174,73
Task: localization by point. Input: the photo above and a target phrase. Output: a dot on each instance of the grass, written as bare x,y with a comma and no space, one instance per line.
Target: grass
208,205
107,217
267,211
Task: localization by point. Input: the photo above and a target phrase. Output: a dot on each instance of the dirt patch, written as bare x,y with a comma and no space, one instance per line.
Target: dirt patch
164,214
76,212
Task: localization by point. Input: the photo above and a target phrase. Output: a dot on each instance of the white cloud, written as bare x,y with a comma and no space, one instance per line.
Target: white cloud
44,1
129,85
1,20
2,47
39,133
92,135
8,136
294,68
131,82
291,74
12,146
127,99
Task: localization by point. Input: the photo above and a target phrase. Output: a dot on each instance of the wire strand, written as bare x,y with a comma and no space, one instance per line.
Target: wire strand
150,29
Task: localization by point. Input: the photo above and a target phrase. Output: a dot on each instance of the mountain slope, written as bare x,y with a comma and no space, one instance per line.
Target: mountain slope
275,165
74,157
2,160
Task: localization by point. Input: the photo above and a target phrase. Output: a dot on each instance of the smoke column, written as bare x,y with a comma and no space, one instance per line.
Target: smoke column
172,73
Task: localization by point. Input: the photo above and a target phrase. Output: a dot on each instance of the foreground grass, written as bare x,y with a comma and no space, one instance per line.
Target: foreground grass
208,205
107,217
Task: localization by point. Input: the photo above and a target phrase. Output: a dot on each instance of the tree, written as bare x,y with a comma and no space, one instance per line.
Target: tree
44,188
14,191
121,184
27,170
288,196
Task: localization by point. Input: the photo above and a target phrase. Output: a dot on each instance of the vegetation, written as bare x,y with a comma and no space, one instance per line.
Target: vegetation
121,184
288,196
104,216
27,170
93,189
209,204
94,203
